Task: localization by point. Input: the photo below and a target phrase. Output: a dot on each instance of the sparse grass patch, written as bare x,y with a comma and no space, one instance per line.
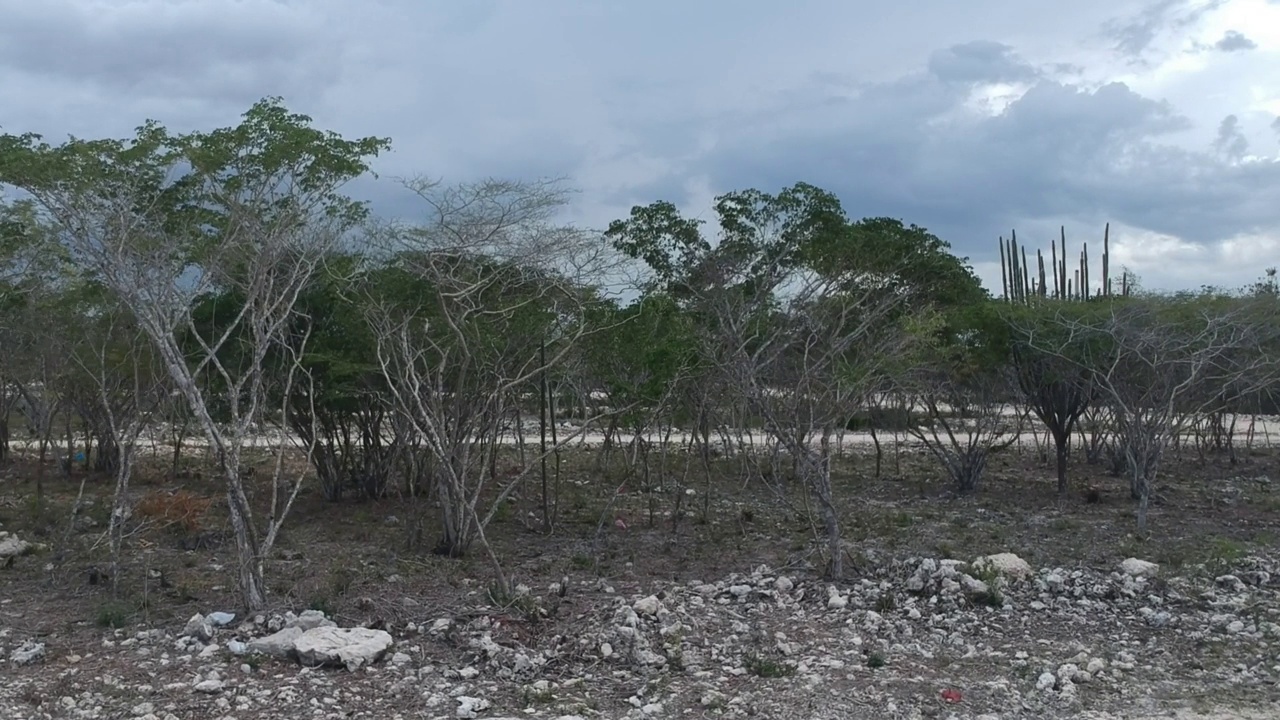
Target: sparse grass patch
675,652
1064,525
321,603
1224,551
991,597
1215,553
767,668
504,511
40,518
1267,503
115,614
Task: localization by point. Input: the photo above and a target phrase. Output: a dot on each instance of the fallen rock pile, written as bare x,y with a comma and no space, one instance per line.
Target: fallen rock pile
311,639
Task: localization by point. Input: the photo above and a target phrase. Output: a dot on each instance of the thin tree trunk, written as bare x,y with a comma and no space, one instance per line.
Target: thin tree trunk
521,449
1144,499
71,445
820,484
250,570
555,451
875,440
44,451
1061,442
542,426
119,509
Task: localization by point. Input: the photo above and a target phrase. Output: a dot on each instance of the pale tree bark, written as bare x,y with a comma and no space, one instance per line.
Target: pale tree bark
166,223
501,281
797,311
802,351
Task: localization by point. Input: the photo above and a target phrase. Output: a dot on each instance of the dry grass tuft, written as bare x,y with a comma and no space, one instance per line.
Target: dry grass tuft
180,509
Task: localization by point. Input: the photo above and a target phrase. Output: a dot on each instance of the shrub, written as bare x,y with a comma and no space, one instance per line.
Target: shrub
114,615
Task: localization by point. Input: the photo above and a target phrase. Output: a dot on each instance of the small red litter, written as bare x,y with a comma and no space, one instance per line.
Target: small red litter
952,696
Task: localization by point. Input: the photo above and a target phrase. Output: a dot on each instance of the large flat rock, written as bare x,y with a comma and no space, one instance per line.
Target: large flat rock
351,647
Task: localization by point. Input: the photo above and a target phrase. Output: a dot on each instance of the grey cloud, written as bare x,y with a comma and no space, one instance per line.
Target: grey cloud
1233,41
1064,69
1058,151
979,61
1231,141
1069,115
678,101
206,50
1132,36
1135,34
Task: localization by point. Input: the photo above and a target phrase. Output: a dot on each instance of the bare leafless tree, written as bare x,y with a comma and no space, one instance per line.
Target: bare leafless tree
501,292
1152,359
119,363
802,348
966,418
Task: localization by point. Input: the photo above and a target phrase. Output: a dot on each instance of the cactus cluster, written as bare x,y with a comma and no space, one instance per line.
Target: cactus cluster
1019,285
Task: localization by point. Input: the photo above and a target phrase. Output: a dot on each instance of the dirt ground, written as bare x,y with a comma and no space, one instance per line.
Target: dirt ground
886,652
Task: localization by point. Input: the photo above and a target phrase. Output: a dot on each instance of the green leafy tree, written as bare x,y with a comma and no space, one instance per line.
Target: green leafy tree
784,313
32,273
163,220
901,257
343,409
1058,390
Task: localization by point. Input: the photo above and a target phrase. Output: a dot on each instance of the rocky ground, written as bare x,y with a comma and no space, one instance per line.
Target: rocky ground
658,601
907,637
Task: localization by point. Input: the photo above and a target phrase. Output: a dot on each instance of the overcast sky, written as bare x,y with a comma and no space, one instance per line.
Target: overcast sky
969,118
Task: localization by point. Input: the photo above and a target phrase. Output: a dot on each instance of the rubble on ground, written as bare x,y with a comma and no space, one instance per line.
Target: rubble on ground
1001,638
